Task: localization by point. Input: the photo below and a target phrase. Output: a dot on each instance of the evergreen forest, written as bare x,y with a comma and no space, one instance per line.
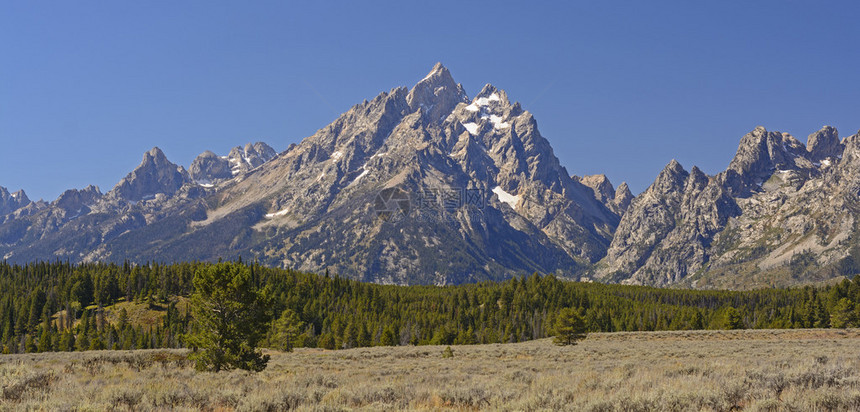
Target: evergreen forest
59,306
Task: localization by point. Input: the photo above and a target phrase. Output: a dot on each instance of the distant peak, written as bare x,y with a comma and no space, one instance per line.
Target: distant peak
92,189
490,93
487,90
154,154
436,95
825,131
437,70
155,174
758,131
824,143
594,180
671,178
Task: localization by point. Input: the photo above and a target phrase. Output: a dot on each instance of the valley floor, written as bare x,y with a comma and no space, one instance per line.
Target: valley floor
813,369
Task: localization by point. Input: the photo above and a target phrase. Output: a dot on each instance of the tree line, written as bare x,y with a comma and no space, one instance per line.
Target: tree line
59,306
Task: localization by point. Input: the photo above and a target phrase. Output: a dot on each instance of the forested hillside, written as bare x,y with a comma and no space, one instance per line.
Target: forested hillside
64,307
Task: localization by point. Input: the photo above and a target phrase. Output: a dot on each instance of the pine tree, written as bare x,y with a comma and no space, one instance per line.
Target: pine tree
30,344
82,343
732,319
569,327
285,330
842,315
37,303
697,322
230,317
67,341
122,321
46,336
387,338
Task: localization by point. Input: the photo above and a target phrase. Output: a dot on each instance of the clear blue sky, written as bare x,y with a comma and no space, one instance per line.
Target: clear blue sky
618,88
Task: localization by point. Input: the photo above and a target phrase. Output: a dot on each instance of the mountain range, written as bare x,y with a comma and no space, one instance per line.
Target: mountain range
429,186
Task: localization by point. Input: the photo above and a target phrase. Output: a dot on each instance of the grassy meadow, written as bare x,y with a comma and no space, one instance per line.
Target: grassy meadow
758,370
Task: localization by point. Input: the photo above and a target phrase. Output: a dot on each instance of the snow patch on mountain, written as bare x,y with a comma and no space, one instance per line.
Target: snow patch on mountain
278,213
498,121
485,101
357,178
506,197
472,127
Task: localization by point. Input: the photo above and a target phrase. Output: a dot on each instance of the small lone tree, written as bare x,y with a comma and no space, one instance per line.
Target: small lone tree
229,319
569,327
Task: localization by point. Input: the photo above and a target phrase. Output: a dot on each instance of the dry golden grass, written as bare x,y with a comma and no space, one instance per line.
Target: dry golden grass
661,371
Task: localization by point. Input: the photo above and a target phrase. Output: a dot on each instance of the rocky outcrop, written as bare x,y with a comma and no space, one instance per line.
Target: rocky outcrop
472,180
413,175
744,227
616,200
209,168
824,144
759,155
622,199
10,202
154,175
436,95
650,217
603,189
250,157
76,202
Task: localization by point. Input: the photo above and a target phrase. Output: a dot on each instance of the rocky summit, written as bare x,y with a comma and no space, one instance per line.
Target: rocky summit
782,213
419,185
209,168
426,185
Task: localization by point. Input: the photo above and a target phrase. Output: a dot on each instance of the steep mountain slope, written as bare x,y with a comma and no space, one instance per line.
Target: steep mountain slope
483,195
415,186
79,221
428,186
782,213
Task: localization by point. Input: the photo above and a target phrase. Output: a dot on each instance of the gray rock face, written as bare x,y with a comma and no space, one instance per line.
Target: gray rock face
154,175
615,200
742,227
436,94
249,157
649,219
471,180
602,187
397,182
10,202
209,168
824,144
80,225
78,202
622,199
759,154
